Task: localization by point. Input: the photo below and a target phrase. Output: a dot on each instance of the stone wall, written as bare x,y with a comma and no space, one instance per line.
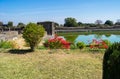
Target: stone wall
8,35
49,27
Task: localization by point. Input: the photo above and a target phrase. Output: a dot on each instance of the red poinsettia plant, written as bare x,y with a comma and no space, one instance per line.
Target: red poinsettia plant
98,44
57,42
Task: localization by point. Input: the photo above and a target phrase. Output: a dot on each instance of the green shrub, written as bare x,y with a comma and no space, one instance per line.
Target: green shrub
53,44
33,34
5,44
111,62
80,45
57,43
73,46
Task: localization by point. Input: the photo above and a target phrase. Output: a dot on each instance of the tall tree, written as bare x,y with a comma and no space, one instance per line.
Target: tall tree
70,22
10,24
108,22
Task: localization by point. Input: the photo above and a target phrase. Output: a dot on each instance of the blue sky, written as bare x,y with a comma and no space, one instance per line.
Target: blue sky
86,11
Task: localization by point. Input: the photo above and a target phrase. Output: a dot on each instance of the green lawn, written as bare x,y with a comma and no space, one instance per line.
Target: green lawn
94,32
51,64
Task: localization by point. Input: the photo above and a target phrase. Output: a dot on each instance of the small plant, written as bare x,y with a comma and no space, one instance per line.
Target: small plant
5,44
57,43
80,45
111,62
73,46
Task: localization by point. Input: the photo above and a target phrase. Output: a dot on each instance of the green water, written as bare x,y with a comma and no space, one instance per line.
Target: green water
88,37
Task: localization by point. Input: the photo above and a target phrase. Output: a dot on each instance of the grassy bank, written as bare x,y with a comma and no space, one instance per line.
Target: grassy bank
51,64
94,32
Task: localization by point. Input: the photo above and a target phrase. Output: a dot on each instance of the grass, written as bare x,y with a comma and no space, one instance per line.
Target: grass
51,64
94,32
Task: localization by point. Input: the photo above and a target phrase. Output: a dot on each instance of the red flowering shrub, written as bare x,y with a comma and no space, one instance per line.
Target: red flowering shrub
98,44
57,43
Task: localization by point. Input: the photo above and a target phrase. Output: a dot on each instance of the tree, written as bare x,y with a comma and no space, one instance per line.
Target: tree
108,22
80,23
21,25
33,34
98,22
70,22
10,24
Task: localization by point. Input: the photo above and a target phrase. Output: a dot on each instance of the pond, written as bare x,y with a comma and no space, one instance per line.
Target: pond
88,38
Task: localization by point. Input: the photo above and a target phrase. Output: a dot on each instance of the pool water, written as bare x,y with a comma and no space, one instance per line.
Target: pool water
88,38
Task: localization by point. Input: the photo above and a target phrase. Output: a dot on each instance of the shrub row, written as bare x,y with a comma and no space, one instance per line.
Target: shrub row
58,42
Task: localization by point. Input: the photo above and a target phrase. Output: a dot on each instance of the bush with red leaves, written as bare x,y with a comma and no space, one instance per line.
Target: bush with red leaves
57,43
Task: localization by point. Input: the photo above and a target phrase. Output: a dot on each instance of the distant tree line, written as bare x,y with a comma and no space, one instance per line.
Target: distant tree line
69,22
72,22
10,25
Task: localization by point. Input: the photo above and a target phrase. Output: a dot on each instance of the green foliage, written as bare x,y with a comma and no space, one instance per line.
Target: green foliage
21,25
80,45
108,22
5,44
80,23
107,42
111,62
33,34
73,46
53,45
92,25
10,24
70,22
57,43
70,38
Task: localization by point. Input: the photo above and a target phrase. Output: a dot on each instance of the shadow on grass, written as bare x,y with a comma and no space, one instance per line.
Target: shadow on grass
20,51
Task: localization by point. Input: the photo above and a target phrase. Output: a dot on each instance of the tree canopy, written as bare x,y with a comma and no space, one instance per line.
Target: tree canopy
10,24
70,22
108,22
21,25
33,34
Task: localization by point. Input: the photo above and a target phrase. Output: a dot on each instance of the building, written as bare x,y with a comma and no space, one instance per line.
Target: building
49,26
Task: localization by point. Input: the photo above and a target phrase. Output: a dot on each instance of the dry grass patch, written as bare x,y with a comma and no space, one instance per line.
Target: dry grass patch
44,65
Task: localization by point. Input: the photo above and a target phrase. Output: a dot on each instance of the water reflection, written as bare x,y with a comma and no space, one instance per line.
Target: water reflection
88,38
98,36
